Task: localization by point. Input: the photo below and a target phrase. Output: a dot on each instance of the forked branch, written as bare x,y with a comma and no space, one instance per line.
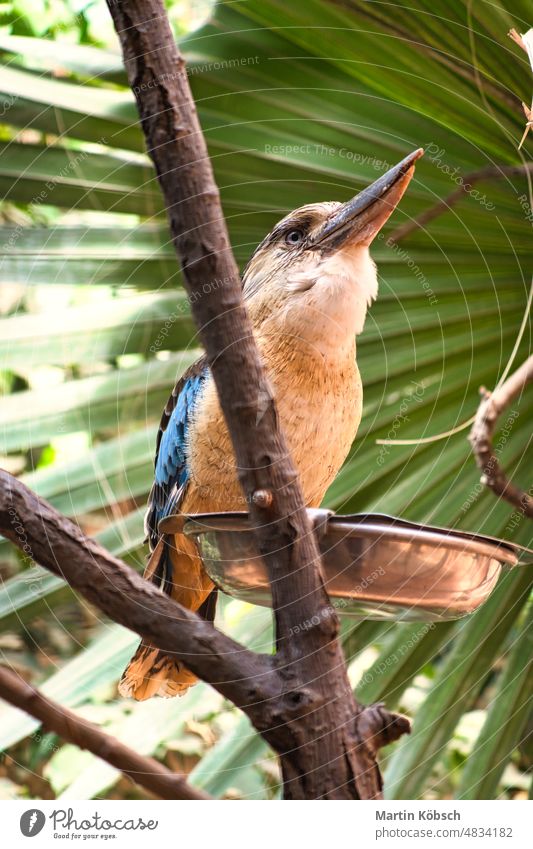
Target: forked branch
115,588
286,717
315,689
300,700
482,433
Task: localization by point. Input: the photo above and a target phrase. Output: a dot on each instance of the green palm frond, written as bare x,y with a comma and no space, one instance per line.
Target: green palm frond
298,103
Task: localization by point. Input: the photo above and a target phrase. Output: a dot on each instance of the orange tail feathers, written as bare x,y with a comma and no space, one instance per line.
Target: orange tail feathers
151,672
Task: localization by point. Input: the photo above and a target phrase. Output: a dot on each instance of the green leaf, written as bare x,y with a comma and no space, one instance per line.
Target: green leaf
35,590
101,116
232,756
85,335
113,471
458,684
148,723
67,255
112,401
99,664
43,55
31,173
406,651
508,713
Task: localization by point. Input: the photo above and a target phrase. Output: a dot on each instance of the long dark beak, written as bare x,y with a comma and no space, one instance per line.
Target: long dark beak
359,220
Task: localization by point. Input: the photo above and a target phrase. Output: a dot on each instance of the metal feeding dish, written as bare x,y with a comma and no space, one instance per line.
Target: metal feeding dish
376,566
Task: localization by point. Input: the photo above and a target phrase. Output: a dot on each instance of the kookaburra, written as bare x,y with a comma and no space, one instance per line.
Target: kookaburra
307,289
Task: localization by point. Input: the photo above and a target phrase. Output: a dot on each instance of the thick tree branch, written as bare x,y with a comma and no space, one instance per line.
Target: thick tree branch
58,544
143,770
314,724
156,71
482,432
249,680
301,700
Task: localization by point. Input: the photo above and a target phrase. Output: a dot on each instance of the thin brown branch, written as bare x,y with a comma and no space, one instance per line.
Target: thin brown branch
309,662
491,172
481,436
153,776
58,544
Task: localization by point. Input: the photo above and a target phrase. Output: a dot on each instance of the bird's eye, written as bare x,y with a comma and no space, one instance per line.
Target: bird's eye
294,237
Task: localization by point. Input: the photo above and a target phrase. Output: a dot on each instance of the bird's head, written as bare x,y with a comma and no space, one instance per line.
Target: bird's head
312,277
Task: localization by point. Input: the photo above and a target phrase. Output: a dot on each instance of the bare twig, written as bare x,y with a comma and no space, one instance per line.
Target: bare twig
152,775
489,411
491,172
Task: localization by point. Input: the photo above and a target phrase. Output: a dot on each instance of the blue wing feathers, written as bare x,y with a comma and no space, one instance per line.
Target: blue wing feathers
171,469
171,463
